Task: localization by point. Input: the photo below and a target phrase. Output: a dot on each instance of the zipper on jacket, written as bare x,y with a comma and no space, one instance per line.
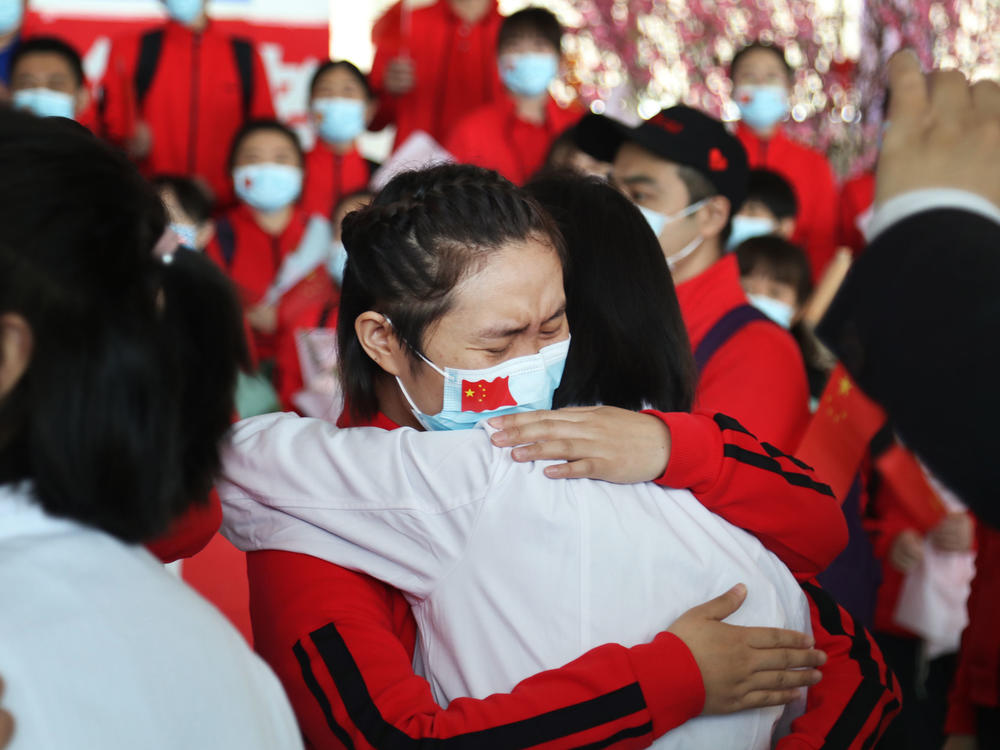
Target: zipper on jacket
193,106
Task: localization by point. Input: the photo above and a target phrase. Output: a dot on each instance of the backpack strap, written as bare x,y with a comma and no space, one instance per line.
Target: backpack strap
243,55
724,329
226,236
150,46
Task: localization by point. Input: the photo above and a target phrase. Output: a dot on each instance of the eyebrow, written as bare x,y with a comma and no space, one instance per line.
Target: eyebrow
639,179
503,333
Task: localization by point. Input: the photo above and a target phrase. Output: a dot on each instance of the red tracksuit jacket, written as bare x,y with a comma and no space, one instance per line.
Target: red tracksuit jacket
815,189
342,643
330,176
757,375
455,68
194,104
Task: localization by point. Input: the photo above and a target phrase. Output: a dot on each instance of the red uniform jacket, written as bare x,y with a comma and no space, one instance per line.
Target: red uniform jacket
815,189
342,643
856,197
194,104
455,68
977,682
757,375
330,176
255,257
496,138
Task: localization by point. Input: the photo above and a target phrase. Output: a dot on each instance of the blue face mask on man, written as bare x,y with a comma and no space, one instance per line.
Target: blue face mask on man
267,187
339,120
762,106
521,384
184,11
528,73
747,227
45,102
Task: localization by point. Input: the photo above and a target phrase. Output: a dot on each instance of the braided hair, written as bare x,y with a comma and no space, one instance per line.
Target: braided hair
423,234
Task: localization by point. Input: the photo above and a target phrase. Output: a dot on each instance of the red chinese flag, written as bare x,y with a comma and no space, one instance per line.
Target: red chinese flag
839,433
484,396
915,497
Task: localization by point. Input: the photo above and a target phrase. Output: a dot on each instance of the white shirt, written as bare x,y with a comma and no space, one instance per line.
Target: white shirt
508,572
101,648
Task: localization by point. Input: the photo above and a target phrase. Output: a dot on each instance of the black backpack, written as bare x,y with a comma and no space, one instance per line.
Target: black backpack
150,47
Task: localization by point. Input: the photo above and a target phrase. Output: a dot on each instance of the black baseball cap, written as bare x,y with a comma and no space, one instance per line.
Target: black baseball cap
687,136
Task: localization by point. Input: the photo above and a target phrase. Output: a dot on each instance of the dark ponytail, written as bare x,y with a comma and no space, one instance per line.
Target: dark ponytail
102,420
423,234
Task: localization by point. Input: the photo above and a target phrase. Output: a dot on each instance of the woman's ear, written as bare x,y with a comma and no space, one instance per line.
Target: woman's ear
16,345
380,342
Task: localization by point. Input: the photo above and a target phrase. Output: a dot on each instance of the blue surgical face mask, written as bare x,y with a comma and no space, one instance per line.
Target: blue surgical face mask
658,222
339,120
762,107
528,73
184,11
778,311
747,227
187,234
337,261
470,396
11,15
45,102
268,187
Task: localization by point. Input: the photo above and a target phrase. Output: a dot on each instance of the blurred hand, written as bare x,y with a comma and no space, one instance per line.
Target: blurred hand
6,723
954,533
960,742
141,142
942,133
263,318
400,76
907,551
745,667
597,442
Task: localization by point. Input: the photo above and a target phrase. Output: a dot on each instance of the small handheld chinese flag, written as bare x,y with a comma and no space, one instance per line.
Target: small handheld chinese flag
840,432
483,395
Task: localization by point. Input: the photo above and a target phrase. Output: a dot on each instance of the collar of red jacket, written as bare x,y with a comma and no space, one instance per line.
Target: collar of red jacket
242,215
709,295
379,420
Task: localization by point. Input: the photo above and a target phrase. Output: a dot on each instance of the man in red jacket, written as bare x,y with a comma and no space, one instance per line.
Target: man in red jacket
513,134
175,96
434,65
762,83
688,177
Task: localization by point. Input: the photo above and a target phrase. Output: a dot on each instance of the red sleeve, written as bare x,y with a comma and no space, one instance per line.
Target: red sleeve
756,487
858,697
262,104
189,534
117,109
759,378
385,114
341,643
462,142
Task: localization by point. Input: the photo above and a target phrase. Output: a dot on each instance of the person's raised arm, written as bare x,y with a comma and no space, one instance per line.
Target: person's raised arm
748,482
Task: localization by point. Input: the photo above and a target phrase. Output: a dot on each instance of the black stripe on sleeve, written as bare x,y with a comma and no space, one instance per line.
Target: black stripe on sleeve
847,728
625,734
775,453
729,450
726,422
882,725
562,722
310,679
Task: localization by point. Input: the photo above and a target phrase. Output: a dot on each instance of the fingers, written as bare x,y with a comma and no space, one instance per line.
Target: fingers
909,100
524,418
766,698
765,638
542,428
586,468
783,679
986,98
722,606
551,449
767,660
950,96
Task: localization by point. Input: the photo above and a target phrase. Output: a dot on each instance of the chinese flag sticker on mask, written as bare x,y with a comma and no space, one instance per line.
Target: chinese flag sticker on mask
485,395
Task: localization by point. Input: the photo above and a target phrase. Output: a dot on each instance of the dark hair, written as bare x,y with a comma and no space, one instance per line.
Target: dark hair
259,126
778,259
189,193
629,347
775,49
351,197
699,188
341,65
774,191
129,388
49,45
531,21
423,234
